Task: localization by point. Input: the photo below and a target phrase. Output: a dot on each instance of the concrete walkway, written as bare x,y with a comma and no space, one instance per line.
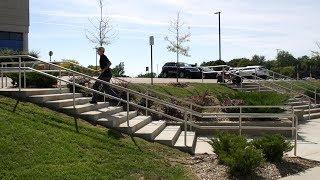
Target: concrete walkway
308,148
311,174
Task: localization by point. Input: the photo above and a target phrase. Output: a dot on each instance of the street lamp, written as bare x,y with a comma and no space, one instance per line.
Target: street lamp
151,41
219,13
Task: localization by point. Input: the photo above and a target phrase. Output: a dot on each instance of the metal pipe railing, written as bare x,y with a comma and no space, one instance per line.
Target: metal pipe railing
128,93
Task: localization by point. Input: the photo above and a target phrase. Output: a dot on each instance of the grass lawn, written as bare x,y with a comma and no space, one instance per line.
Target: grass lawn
220,92
37,143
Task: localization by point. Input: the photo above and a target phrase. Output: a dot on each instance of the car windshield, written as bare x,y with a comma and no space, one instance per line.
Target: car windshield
184,65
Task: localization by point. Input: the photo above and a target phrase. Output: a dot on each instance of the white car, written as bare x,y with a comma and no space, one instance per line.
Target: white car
251,71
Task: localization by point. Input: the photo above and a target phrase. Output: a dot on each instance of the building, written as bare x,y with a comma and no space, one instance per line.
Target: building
14,24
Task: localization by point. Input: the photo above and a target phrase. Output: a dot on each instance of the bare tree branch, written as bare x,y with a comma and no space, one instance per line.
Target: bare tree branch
178,39
101,33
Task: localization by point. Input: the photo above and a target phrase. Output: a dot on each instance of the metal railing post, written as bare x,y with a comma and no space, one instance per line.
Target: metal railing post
1,76
128,107
24,75
202,76
147,104
6,76
293,120
259,85
223,71
19,74
74,91
185,128
296,136
60,76
315,96
309,109
240,121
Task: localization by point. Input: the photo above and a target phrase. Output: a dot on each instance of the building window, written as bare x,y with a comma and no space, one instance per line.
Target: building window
11,40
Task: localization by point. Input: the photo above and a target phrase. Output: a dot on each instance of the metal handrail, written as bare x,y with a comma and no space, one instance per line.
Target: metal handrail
142,87
185,111
273,72
290,90
314,91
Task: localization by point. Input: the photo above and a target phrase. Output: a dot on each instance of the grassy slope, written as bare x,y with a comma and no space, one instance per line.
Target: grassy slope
222,93
38,143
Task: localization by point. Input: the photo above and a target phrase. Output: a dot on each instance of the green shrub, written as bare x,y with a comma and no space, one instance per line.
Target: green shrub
34,80
83,82
273,146
243,161
262,99
235,152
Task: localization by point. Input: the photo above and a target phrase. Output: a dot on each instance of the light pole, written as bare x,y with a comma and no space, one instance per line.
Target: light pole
96,51
219,14
151,40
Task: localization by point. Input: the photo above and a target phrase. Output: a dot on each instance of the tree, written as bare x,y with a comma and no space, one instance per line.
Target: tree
285,59
258,60
101,32
118,70
180,38
214,63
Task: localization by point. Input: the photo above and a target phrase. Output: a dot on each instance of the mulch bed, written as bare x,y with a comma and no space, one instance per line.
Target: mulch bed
208,167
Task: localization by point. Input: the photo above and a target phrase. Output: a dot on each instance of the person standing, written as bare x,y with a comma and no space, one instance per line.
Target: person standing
105,75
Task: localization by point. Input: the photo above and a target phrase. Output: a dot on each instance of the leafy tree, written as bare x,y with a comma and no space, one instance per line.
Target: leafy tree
214,63
147,75
118,70
285,59
258,60
176,44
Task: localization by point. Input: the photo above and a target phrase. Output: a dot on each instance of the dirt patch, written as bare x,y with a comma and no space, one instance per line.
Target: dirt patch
208,167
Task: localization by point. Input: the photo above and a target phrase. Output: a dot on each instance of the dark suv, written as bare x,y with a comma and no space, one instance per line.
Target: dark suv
184,70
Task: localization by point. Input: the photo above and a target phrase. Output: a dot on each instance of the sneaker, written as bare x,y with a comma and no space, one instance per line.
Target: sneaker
93,102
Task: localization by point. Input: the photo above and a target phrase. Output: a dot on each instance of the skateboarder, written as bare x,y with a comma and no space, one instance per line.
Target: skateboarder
105,75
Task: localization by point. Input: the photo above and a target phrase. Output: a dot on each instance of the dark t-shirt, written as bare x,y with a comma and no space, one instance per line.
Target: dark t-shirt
104,62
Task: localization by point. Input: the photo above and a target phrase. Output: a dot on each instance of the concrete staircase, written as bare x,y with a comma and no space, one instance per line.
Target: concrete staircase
301,106
248,87
305,111
112,117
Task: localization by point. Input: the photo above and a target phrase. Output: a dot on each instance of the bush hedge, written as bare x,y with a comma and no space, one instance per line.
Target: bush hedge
273,146
242,157
34,80
235,152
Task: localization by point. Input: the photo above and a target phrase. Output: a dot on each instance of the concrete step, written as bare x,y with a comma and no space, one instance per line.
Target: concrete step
312,116
53,97
169,135
135,124
43,91
191,140
298,103
86,107
116,119
305,106
314,110
101,113
68,102
151,130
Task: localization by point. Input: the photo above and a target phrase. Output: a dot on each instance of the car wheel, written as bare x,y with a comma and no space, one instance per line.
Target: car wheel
164,75
181,75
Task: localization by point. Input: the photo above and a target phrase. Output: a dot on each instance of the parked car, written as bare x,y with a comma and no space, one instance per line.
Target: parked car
183,70
211,72
251,71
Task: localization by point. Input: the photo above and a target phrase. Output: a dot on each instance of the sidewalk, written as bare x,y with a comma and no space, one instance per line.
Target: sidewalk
308,148
311,174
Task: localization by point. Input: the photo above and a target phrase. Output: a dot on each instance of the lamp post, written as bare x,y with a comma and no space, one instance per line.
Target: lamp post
219,14
151,40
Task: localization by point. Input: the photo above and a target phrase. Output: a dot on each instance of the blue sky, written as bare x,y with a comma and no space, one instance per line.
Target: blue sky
248,27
